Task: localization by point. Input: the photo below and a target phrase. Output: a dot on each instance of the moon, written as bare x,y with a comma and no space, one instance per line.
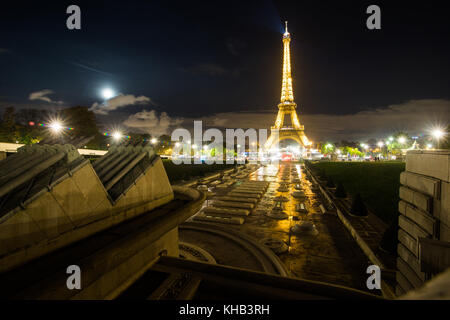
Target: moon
107,93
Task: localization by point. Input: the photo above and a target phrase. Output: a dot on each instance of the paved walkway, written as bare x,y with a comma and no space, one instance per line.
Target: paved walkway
330,256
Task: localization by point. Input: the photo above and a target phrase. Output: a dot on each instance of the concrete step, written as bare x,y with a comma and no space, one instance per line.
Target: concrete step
227,220
233,204
237,199
226,211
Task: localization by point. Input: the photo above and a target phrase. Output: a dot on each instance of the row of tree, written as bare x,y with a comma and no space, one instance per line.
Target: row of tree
28,126
393,145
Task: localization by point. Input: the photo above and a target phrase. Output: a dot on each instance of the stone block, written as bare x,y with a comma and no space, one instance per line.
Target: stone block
444,204
406,194
411,260
403,282
444,232
409,242
402,207
426,185
399,291
433,163
18,231
418,199
408,273
90,185
49,216
422,219
412,228
71,200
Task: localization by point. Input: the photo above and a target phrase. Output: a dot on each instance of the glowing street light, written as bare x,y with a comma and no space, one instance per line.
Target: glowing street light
380,144
438,134
56,126
194,146
402,140
391,138
177,144
429,146
205,147
154,141
117,135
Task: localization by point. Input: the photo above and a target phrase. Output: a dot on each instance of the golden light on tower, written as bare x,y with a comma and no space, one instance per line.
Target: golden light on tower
287,106
287,94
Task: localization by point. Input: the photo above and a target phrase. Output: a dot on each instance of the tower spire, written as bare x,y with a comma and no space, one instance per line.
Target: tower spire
287,95
287,107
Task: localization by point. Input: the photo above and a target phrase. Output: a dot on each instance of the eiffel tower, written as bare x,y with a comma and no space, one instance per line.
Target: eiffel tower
287,107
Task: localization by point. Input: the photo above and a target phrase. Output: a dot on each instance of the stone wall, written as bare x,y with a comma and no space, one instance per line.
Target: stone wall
424,213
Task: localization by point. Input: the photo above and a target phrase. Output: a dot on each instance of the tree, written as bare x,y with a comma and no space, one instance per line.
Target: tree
8,128
330,183
84,124
327,148
358,207
340,191
83,121
390,237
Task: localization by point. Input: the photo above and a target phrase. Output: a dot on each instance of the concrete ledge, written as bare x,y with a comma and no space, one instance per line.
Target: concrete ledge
433,163
241,205
411,228
418,199
411,260
408,273
423,184
226,211
228,220
403,282
409,242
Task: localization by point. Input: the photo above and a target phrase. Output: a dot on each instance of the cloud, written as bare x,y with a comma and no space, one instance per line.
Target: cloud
119,101
42,95
414,116
150,122
234,45
211,69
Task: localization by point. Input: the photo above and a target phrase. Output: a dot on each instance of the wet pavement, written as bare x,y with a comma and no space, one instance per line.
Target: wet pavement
321,249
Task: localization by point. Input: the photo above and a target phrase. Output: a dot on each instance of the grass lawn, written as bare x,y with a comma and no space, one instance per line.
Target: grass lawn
189,171
377,182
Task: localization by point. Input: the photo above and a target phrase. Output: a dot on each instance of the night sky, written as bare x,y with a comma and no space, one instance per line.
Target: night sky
220,61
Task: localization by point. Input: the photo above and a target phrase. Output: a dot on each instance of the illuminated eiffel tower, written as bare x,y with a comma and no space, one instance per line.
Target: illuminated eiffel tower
287,107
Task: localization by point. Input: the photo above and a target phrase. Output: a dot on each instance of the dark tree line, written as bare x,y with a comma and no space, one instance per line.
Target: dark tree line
23,126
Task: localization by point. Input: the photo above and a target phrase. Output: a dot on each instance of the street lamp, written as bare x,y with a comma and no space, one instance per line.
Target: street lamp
438,134
154,141
380,144
402,140
117,135
55,126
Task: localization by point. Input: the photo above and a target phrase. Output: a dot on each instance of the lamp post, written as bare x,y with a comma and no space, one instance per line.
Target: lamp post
438,134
